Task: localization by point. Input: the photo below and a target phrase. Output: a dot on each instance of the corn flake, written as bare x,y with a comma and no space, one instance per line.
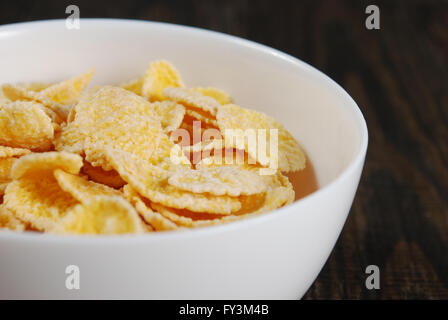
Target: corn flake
215,93
155,219
218,181
290,155
36,163
5,172
9,221
82,189
279,194
134,86
68,92
112,116
103,215
38,200
19,93
152,182
161,74
170,113
192,100
25,125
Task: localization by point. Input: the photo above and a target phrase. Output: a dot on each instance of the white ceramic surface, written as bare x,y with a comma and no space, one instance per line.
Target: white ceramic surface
275,256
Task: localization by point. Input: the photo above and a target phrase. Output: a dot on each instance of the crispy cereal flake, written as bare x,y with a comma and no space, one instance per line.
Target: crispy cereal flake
7,152
155,219
36,163
82,189
134,86
152,182
192,99
68,92
25,125
215,93
171,114
224,180
5,172
56,111
290,155
38,200
161,74
9,221
115,117
102,215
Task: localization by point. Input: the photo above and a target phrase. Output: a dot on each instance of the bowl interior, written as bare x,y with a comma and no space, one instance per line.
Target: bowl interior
314,109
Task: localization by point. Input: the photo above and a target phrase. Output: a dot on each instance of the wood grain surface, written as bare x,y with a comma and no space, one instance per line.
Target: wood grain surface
398,75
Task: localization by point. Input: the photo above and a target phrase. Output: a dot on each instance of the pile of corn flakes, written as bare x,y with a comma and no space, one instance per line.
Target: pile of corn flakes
149,155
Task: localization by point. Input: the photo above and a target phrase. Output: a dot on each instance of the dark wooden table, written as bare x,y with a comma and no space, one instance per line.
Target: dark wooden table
398,75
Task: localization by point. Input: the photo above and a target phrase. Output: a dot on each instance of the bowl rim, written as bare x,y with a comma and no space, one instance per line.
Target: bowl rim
356,161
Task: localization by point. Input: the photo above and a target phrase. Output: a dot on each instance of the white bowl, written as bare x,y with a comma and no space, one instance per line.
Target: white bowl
274,256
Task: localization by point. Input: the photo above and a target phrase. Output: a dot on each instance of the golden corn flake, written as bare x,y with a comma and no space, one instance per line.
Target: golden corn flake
7,152
109,178
82,189
102,215
279,194
134,86
215,93
170,113
17,92
155,219
9,221
161,74
54,110
279,190
38,200
225,180
25,125
179,217
41,163
5,168
69,139
24,93
290,155
56,118
192,100
68,92
35,86
57,97
112,116
188,219
5,172
152,182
